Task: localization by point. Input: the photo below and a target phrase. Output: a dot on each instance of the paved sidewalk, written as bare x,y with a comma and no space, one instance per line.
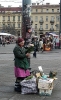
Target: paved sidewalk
48,60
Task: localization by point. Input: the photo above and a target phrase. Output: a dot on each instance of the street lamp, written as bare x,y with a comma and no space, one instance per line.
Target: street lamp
60,27
41,20
60,19
26,12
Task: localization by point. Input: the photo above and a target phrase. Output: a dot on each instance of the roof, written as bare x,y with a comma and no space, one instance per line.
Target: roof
11,9
33,6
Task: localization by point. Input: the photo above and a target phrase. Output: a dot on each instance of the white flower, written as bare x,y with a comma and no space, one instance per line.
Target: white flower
40,68
31,45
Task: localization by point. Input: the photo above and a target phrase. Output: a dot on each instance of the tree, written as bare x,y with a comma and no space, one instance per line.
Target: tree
9,29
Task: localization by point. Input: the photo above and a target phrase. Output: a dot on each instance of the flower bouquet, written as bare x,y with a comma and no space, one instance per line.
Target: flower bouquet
30,48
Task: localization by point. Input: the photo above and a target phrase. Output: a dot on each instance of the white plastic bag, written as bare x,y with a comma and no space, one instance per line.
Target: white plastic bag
28,86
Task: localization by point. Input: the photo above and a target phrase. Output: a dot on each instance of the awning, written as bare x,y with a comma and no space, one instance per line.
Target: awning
5,34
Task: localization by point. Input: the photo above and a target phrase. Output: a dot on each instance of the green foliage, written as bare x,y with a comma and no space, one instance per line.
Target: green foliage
30,49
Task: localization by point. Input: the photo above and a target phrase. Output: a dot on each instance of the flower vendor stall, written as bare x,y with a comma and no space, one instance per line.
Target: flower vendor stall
39,83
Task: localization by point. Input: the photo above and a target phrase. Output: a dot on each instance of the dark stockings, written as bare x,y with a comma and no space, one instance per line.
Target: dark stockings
17,84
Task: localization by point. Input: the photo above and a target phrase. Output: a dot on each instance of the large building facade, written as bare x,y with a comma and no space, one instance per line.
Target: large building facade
10,19
44,19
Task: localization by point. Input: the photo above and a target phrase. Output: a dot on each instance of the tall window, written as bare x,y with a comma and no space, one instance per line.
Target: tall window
36,18
3,25
51,26
3,18
13,18
31,17
8,18
36,33
18,25
46,18
52,10
36,10
8,25
41,10
57,18
35,26
18,18
57,26
58,10
47,10
14,25
46,26
41,18
41,26
52,18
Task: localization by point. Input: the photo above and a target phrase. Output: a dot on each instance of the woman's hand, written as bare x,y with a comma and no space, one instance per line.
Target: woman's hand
28,55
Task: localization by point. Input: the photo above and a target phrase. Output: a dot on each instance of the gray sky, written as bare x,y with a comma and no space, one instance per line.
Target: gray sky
16,3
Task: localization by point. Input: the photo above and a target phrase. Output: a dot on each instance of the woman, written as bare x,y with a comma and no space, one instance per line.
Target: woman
21,63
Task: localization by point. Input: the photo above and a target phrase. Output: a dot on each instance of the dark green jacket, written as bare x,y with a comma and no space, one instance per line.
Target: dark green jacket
21,60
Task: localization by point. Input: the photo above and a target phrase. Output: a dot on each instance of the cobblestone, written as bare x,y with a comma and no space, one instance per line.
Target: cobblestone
48,60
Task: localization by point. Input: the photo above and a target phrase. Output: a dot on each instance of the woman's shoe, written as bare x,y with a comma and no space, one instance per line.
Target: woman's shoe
17,87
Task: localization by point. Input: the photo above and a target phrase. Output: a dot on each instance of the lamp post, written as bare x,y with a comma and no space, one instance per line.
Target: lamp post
60,27
41,25
26,13
60,18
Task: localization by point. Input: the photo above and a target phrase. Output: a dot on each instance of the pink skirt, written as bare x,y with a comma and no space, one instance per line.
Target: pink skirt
21,72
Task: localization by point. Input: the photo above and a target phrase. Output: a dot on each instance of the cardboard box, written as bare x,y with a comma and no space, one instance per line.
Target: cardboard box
38,75
45,92
45,84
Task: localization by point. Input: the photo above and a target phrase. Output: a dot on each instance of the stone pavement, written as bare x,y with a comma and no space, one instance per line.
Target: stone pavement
49,60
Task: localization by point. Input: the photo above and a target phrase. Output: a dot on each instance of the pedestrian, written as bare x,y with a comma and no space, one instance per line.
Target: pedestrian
36,46
41,44
21,63
3,41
